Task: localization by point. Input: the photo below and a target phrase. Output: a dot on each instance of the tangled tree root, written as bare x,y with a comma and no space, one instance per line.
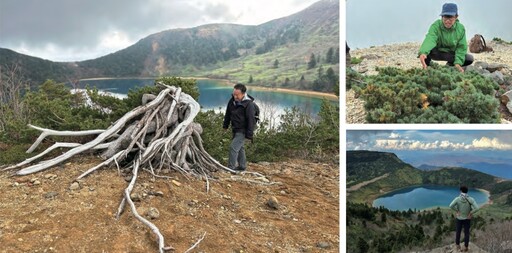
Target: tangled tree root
160,134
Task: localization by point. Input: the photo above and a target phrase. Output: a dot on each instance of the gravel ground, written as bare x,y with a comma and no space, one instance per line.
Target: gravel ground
404,55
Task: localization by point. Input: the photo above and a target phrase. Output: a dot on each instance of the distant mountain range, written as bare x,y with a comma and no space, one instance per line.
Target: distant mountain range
502,170
275,53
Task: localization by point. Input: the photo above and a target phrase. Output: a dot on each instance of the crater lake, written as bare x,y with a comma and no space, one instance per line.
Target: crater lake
214,95
425,197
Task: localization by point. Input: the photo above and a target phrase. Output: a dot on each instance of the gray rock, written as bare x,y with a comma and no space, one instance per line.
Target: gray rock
471,68
153,213
481,64
50,176
509,106
508,81
497,76
135,197
51,195
156,193
128,178
273,203
495,66
323,245
74,186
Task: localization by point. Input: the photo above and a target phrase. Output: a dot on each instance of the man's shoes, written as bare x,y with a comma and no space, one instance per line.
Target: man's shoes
240,169
458,247
237,170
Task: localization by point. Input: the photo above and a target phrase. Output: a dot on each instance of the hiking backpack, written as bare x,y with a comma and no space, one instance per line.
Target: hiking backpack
477,45
256,115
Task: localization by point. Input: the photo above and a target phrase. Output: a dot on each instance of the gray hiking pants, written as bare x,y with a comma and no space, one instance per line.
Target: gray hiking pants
237,152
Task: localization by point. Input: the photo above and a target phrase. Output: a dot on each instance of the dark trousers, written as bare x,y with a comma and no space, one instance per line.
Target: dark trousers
459,225
437,55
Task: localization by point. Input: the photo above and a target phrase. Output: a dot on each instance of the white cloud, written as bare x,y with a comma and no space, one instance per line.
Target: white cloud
476,144
493,143
394,136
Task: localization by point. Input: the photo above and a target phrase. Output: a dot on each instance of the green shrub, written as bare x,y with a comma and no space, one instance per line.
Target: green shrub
499,40
435,95
53,106
14,153
355,60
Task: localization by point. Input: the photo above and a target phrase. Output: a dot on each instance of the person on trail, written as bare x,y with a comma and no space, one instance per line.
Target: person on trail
446,41
465,206
240,113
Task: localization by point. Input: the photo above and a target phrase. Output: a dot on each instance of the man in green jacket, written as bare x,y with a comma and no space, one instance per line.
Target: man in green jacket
465,206
446,41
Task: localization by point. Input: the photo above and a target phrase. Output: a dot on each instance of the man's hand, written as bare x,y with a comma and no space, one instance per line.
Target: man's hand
422,60
459,68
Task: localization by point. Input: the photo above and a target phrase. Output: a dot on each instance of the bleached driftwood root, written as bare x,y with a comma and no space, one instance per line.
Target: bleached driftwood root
159,134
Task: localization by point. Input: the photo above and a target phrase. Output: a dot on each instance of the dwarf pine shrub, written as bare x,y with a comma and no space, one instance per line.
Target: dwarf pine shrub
436,95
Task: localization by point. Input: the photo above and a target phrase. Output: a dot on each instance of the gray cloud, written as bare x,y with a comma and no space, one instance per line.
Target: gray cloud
61,23
78,30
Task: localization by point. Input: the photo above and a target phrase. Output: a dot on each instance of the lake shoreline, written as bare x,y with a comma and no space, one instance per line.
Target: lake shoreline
488,194
307,93
372,199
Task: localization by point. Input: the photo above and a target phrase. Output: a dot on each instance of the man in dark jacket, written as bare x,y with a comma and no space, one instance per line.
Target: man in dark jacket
240,114
446,41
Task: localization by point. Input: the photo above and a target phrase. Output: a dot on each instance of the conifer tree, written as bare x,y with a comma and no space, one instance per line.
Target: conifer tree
312,61
329,57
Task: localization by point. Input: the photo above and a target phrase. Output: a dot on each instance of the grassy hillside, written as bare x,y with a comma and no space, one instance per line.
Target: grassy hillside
366,165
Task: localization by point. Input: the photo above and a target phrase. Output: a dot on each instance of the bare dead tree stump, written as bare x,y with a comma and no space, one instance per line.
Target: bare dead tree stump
160,134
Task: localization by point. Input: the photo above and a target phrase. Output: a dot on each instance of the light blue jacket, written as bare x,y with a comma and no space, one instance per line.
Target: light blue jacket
464,205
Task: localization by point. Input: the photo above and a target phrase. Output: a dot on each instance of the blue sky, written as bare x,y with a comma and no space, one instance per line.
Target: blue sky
437,147
375,22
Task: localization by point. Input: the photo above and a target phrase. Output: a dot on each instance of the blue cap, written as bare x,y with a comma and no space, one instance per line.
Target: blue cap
449,9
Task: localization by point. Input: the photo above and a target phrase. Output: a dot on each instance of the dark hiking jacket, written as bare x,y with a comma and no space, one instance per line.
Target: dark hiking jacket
241,116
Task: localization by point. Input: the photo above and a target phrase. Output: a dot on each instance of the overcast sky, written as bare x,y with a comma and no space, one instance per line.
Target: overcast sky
70,30
376,22
437,147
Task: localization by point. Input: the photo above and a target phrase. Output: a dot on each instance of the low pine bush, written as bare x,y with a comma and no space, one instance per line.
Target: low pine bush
436,95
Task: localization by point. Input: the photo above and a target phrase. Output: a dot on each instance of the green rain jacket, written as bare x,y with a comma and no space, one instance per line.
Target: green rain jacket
461,204
446,40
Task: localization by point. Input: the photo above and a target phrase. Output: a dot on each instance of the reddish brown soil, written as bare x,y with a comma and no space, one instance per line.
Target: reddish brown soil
234,213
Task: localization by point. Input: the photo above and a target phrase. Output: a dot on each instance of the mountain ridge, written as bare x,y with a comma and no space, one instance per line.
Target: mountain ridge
228,51
402,174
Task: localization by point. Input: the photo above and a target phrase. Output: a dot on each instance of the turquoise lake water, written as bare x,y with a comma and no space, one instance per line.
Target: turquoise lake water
423,197
215,95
